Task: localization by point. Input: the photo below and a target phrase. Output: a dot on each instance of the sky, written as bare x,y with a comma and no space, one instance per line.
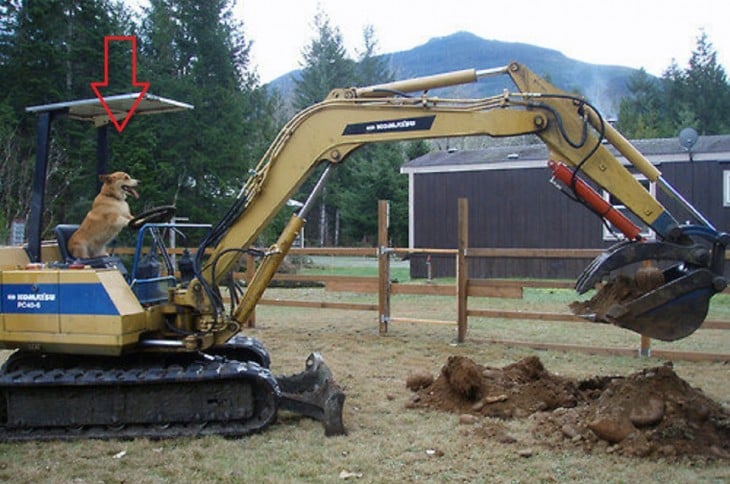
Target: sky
633,33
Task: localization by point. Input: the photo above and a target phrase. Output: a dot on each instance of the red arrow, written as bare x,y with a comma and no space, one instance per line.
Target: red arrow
96,85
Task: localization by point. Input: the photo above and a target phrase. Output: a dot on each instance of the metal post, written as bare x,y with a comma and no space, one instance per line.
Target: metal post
35,219
309,202
462,275
102,152
383,268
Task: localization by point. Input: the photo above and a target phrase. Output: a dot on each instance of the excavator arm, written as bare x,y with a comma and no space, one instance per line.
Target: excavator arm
572,129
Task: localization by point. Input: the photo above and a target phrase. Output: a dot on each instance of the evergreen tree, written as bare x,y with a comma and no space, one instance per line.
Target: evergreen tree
197,52
643,115
373,172
50,51
371,68
325,65
706,89
697,96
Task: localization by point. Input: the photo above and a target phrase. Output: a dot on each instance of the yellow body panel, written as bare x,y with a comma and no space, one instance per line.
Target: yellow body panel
50,252
13,257
16,257
72,344
32,323
71,311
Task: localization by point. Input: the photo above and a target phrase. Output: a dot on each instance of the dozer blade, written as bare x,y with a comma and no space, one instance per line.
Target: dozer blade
314,393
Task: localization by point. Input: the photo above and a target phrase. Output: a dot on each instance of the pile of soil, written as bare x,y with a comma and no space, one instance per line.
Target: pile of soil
517,390
622,289
649,413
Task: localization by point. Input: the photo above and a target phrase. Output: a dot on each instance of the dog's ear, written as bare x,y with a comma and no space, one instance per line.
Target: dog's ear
104,178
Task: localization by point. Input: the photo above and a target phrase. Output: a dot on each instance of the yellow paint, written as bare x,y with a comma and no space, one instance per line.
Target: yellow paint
71,344
13,258
119,292
77,333
50,252
40,323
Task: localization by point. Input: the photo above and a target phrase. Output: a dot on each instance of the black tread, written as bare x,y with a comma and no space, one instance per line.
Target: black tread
41,376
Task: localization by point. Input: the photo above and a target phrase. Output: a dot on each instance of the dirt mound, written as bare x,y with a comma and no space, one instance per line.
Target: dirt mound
517,390
650,413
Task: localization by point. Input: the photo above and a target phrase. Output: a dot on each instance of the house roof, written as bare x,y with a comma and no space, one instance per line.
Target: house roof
657,151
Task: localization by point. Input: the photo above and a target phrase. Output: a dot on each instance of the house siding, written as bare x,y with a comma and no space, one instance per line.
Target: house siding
519,208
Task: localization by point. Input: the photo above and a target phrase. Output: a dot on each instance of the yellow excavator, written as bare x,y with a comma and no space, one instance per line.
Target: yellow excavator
102,352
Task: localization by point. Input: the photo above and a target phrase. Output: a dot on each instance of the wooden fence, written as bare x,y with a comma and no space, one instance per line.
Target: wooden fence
463,289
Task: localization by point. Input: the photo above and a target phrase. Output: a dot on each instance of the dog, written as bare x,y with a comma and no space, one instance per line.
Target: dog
109,214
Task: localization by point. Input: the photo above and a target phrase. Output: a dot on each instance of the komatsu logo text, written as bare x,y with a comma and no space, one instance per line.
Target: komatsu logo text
30,301
390,126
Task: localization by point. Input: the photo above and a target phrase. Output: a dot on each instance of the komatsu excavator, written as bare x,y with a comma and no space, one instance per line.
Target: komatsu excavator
105,353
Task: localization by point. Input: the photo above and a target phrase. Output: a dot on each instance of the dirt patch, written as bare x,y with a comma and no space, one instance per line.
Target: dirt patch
649,413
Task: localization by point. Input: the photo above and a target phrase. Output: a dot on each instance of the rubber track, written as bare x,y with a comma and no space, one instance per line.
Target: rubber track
267,398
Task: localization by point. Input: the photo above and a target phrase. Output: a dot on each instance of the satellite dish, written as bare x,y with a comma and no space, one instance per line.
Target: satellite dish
688,138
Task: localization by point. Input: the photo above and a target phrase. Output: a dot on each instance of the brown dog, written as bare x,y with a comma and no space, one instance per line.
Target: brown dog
109,214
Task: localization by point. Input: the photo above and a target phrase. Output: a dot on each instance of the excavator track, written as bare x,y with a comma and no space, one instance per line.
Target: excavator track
154,397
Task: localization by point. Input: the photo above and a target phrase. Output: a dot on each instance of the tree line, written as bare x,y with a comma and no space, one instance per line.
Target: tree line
696,96
198,53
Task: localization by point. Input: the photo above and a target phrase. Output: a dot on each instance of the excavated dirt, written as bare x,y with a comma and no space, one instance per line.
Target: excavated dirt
621,289
652,413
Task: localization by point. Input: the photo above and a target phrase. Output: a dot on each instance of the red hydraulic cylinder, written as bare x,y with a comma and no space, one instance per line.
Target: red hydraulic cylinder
588,195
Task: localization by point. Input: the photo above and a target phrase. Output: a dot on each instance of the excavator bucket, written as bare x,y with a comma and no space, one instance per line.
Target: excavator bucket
314,393
630,252
667,304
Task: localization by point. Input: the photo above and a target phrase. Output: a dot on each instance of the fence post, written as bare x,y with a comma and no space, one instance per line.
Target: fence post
462,275
250,271
645,349
383,267
645,345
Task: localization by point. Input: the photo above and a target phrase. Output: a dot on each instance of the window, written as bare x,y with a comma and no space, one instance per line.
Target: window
611,232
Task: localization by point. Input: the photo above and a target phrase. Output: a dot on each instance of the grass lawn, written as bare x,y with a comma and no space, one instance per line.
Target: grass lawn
388,442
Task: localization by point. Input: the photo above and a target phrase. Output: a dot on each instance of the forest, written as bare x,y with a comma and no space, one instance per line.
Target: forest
199,53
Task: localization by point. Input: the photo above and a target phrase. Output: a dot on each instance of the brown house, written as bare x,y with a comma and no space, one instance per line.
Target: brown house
513,204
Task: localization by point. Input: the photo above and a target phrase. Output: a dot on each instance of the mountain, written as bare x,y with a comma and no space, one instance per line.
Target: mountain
602,85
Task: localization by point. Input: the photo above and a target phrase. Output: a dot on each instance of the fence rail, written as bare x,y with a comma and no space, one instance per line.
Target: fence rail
463,288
